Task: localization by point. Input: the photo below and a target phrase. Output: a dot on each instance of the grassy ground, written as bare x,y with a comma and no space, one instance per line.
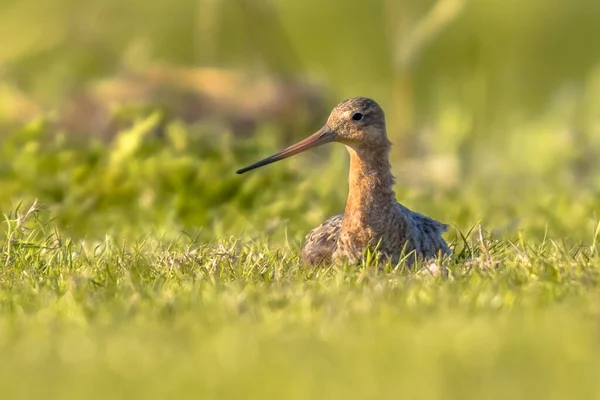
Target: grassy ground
148,269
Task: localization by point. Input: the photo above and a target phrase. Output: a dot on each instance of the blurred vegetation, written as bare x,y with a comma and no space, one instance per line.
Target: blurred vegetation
481,97
134,262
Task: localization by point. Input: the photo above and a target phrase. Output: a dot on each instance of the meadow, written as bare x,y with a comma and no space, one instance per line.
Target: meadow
141,266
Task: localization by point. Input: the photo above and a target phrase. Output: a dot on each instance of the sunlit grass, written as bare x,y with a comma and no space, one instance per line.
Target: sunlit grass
233,318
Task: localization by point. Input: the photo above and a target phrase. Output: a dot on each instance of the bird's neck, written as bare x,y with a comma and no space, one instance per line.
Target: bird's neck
371,197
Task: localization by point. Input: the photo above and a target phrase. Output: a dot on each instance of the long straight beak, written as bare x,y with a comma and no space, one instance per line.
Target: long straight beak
322,136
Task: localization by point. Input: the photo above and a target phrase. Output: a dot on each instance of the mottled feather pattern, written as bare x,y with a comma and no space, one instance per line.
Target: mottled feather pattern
432,244
321,242
415,234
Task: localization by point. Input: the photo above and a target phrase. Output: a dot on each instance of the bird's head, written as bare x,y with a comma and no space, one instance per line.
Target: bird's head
359,123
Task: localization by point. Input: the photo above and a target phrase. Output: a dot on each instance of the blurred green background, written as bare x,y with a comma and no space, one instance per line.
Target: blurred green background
493,107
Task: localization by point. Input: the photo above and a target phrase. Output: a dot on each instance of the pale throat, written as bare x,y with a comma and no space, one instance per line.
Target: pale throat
370,192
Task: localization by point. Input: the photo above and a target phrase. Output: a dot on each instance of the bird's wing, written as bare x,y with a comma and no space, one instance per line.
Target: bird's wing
431,232
321,242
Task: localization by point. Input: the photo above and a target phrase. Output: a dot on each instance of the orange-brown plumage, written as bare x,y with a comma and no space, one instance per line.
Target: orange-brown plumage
372,218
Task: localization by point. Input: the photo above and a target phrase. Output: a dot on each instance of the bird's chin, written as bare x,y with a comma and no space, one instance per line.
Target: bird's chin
370,147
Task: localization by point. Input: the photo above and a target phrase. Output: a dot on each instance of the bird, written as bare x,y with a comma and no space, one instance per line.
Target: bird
373,219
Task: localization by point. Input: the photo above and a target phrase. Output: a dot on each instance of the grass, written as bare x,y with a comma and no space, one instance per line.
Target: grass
233,319
147,269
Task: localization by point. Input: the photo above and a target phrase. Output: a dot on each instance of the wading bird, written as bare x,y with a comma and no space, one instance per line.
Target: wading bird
372,219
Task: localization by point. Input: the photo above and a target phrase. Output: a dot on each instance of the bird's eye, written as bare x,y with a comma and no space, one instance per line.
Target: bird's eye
357,116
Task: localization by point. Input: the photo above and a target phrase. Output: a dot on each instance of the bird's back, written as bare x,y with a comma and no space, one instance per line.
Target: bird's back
409,231
430,243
